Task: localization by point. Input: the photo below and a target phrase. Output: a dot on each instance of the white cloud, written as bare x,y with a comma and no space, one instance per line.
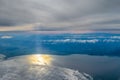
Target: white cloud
110,40
115,37
80,39
6,37
72,41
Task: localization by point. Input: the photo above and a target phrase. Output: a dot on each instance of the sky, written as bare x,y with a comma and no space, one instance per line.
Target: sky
59,15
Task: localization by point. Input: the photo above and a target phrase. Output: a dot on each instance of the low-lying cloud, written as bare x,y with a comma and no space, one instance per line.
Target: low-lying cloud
6,37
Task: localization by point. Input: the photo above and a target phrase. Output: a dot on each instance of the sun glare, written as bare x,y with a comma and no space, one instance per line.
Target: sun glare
40,59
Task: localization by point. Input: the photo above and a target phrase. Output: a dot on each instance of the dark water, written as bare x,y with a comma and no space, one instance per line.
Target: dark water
99,67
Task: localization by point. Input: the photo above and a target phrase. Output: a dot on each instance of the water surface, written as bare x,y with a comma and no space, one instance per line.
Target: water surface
99,67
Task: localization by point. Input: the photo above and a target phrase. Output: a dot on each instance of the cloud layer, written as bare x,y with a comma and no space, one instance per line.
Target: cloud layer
11,70
59,15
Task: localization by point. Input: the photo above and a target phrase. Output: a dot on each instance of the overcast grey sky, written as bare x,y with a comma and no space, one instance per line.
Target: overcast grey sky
59,15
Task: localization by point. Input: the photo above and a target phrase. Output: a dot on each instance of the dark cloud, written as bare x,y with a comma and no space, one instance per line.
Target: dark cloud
44,28
61,14
15,12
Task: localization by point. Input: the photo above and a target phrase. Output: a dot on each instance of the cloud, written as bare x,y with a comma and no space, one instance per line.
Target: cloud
79,41
83,39
115,37
72,41
11,70
2,57
6,37
60,15
27,27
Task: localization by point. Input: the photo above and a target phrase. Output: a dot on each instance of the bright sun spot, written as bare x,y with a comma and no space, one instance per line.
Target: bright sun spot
39,59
